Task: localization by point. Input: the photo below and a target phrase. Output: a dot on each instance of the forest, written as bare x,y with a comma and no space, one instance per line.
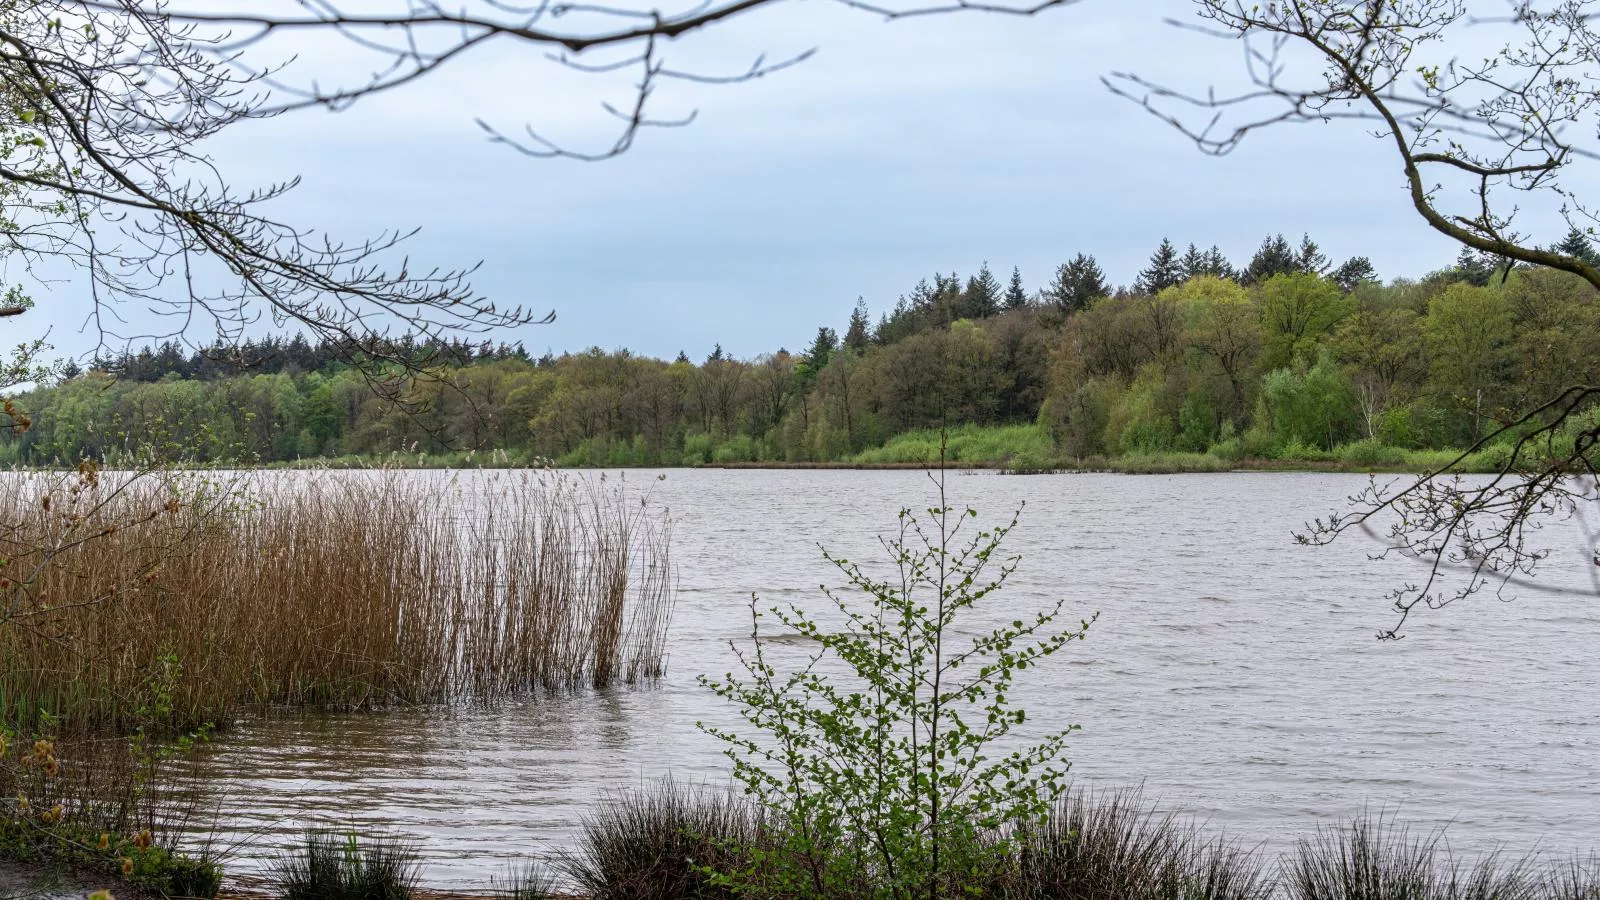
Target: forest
1285,358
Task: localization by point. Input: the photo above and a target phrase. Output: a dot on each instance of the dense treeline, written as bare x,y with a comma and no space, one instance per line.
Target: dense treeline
1285,356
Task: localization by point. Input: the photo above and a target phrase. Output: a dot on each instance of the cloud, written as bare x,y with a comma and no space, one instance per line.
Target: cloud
899,150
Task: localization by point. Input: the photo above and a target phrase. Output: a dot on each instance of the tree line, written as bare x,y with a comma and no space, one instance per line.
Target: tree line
1285,354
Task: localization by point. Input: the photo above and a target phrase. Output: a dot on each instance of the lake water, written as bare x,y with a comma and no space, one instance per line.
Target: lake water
1231,672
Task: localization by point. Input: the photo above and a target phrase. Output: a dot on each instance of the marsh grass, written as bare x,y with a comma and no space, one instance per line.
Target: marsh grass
222,593
663,843
329,865
528,881
1109,845
1375,857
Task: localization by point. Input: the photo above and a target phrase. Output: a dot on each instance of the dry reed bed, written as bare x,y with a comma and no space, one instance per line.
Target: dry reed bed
191,596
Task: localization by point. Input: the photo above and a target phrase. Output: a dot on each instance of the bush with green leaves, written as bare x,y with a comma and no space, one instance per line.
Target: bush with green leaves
883,778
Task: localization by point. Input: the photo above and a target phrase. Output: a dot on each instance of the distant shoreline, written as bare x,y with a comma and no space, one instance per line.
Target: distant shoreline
1182,465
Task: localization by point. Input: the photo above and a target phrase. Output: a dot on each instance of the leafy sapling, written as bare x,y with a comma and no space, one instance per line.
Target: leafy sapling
875,760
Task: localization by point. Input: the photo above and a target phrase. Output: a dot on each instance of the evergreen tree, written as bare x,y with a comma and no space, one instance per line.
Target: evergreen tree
1273,257
1217,265
1352,272
1193,263
982,297
822,347
1577,245
816,358
856,335
947,298
1473,267
682,357
1163,272
1016,297
1311,258
716,354
1077,284
880,334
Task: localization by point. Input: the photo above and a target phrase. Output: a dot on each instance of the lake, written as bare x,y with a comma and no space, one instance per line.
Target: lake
1232,672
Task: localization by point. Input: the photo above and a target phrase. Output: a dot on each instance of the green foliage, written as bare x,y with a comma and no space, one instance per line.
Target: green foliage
1298,310
1430,364
1197,423
879,781
968,444
1137,424
1315,406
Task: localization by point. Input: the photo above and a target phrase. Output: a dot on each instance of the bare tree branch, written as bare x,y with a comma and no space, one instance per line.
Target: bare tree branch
1471,137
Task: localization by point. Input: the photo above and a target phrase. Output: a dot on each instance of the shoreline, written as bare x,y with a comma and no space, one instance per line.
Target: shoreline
1101,466
1096,466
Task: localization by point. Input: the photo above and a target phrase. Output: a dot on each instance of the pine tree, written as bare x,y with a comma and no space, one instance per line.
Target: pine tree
1352,272
1577,245
716,353
1164,270
1311,259
1273,257
822,347
1217,265
1077,284
682,357
982,296
1193,263
1016,297
856,335
1473,267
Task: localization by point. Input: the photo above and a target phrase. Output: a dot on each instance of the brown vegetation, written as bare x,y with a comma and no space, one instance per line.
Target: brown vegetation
213,594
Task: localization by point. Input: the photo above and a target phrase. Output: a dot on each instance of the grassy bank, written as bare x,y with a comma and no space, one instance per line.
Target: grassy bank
1018,448
212,595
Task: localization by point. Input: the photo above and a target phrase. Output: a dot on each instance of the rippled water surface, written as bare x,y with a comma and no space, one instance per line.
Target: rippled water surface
1231,672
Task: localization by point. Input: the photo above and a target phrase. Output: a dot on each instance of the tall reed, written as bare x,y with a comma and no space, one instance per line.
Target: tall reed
333,589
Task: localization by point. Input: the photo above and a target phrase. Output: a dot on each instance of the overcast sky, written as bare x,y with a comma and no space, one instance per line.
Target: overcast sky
898,150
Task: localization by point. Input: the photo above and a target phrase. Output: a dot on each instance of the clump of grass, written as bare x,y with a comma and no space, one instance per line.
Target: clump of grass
663,843
530,881
1375,858
1576,879
329,589
1114,846
332,866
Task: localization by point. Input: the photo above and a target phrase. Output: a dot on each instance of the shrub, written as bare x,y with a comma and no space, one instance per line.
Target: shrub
1371,453
738,448
666,843
106,805
880,783
331,866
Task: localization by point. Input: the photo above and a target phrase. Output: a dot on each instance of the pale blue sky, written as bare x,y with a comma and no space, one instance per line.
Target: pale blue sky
900,149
